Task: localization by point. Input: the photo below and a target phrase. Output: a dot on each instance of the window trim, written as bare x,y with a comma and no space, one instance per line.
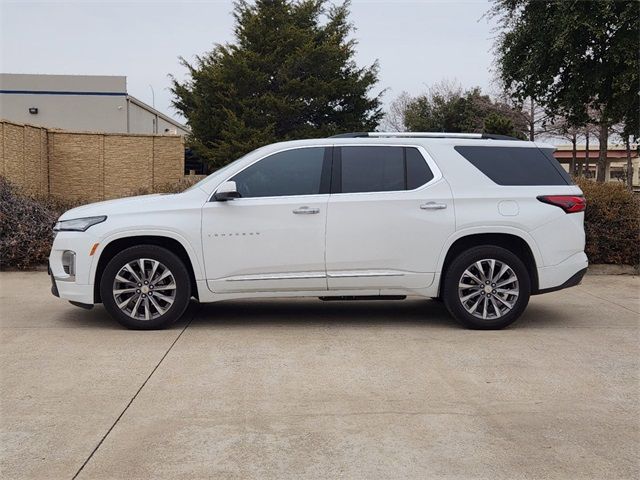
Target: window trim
336,177
437,173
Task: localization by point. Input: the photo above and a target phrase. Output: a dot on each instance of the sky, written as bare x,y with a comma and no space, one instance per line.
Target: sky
417,43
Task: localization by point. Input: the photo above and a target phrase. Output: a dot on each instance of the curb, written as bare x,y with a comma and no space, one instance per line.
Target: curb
606,269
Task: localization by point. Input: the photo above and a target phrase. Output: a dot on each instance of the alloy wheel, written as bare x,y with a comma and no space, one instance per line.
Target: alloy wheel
488,289
144,289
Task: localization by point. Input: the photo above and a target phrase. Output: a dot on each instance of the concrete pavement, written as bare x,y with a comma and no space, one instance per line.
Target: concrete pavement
309,389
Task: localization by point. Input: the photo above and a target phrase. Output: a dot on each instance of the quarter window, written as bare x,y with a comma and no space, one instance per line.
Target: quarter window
516,165
292,172
382,169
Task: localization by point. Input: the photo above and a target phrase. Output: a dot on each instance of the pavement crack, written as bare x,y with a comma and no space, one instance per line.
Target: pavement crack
135,396
609,301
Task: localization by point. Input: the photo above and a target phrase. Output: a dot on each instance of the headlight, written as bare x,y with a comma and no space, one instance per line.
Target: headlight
77,224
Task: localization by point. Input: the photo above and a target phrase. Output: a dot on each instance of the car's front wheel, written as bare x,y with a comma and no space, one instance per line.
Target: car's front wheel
486,287
145,287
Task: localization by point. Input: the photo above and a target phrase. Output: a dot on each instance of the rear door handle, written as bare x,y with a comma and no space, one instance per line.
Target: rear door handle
433,206
306,211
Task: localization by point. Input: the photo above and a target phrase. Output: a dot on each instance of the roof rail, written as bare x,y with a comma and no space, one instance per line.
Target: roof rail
351,135
478,136
495,136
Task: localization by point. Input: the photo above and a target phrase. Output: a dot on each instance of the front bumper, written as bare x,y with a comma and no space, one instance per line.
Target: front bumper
77,287
54,287
71,291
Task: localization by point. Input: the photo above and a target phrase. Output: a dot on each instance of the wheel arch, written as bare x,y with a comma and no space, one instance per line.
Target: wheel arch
116,245
511,241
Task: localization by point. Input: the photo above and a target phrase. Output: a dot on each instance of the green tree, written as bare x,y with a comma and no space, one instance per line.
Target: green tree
447,108
499,124
629,131
577,59
290,73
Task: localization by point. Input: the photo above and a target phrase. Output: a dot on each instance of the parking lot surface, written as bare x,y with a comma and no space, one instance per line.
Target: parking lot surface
309,389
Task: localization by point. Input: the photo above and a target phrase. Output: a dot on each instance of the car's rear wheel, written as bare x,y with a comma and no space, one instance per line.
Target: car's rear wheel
486,287
145,287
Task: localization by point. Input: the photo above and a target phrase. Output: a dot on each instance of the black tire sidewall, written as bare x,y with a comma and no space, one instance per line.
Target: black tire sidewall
462,262
164,256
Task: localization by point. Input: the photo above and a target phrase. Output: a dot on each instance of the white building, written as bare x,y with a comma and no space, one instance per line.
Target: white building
92,103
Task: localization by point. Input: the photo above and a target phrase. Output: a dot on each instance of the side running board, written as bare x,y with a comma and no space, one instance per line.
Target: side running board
342,298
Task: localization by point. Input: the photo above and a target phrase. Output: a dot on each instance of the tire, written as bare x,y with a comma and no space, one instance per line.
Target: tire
154,305
467,304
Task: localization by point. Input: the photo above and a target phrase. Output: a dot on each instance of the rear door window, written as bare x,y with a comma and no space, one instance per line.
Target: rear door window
516,165
372,169
381,169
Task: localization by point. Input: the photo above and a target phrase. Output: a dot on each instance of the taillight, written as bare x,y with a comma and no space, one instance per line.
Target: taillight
568,203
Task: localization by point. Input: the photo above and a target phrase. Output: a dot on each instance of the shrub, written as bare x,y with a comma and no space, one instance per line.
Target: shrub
612,223
25,227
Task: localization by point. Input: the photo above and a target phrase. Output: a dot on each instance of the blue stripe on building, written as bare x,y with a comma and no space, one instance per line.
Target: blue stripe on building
53,92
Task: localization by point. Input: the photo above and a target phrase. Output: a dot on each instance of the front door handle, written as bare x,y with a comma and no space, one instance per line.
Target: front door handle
433,206
306,211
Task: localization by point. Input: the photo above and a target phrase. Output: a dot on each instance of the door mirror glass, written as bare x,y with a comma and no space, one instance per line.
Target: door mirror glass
226,191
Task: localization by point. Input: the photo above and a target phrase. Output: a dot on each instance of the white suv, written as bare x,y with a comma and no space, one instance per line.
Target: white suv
481,222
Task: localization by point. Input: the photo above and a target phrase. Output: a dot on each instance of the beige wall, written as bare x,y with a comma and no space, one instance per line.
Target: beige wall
87,166
23,151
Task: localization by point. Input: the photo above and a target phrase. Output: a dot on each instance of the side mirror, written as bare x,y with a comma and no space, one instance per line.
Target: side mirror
226,191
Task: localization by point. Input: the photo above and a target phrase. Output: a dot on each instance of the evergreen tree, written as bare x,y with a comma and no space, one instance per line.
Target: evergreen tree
289,74
499,124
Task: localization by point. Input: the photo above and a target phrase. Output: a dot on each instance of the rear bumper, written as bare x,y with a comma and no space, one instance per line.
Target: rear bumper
564,275
572,282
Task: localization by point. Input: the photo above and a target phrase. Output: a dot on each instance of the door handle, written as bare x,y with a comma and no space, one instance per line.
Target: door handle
433,206
306,211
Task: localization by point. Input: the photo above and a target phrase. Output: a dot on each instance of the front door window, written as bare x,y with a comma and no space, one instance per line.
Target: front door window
288,173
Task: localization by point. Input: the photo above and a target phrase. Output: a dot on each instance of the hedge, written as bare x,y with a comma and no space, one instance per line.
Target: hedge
612,224
25,227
